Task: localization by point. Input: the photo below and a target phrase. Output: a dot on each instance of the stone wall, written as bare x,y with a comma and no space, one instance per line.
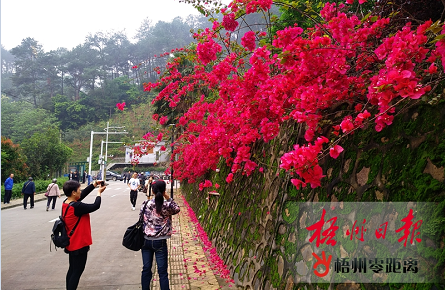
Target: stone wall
254,221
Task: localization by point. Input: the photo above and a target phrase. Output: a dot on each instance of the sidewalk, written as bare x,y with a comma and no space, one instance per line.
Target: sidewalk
189,266
37,197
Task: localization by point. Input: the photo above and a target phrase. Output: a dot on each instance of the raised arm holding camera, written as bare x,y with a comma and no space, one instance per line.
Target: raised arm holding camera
78,216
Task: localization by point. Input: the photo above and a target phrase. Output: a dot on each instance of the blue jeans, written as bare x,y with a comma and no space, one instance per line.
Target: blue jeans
158,248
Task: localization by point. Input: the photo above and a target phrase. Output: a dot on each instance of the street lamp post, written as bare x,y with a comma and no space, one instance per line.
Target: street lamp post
173,148
171,159
106,146
101,156
91,146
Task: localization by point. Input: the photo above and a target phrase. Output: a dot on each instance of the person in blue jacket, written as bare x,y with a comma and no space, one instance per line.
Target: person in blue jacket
28,191
9,183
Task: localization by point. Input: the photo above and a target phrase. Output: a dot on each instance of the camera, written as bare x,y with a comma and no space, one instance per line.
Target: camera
102,183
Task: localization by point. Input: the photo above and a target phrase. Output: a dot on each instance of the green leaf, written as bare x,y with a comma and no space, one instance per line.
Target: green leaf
437,38
366,17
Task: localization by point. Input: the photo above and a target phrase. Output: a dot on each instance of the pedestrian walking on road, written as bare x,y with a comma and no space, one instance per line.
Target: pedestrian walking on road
53,193
133,185
78,213
128,176
148,185
76,176
28,191
142,181
157,229
9,183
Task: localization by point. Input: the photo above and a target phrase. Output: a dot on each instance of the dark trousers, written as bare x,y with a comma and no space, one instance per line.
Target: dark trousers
78,260
53,199
133,197
8,194
157,248
25,200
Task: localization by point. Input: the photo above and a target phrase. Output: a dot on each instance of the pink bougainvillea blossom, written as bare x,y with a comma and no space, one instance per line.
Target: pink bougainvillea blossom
148,135
248,40
207,51
347,125
229,22
163,120
335,151
250,94
120,106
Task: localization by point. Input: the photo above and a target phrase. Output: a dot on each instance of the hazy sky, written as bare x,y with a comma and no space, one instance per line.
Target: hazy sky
66,23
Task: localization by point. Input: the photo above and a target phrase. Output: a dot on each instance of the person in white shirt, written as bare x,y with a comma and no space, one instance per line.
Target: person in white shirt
133,184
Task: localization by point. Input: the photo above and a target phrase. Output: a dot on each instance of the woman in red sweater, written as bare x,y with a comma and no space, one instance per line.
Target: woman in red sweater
80,241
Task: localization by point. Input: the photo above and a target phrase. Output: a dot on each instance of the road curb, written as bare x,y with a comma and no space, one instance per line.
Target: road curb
38,197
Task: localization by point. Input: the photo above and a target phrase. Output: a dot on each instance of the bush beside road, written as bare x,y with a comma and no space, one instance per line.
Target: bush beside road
17,197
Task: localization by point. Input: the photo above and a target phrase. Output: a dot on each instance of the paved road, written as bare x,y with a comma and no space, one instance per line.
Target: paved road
27,263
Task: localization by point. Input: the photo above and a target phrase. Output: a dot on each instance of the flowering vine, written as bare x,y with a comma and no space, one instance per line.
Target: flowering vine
251,91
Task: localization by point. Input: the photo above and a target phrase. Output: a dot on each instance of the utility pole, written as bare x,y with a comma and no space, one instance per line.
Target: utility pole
171,159
91,145
106,145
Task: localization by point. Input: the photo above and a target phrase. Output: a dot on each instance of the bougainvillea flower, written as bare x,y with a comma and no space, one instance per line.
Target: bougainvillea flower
148,135
120,106
229,178
346,125
297,183
163,120
335,151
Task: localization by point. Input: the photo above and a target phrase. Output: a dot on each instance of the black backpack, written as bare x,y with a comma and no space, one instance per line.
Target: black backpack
59,234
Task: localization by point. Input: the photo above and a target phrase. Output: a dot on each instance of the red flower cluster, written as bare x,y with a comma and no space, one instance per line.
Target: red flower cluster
207,51
299,77
248,40
229,22
120,106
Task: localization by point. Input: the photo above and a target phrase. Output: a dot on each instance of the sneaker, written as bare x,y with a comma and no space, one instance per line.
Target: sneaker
47,208
133,208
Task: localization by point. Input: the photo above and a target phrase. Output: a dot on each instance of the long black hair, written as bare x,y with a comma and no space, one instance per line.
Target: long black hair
158,188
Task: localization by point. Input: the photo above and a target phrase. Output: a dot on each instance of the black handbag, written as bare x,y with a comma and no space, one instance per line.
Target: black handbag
134,235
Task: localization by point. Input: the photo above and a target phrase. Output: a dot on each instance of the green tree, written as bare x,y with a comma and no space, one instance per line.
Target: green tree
20,120
116,54
51,63
13,161
28,76
45,153
72,115
82,70
7,72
